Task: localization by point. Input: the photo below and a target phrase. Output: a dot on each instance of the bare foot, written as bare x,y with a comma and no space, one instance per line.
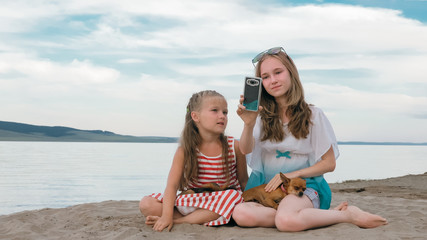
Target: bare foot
342,206
151,220
364,219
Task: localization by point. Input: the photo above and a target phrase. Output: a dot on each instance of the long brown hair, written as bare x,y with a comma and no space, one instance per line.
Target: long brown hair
298,110
191,140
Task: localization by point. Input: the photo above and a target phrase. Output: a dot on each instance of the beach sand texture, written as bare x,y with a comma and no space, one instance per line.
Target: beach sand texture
402,200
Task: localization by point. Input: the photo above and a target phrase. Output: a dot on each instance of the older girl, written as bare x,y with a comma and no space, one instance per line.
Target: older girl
290,136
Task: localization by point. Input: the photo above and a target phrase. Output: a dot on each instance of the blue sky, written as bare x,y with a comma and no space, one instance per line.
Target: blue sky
130,66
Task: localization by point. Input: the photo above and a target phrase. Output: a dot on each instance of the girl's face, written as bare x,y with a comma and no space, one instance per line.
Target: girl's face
212,116
275,77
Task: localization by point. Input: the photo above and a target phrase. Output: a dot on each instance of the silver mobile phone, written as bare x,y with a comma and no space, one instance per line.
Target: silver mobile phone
252,93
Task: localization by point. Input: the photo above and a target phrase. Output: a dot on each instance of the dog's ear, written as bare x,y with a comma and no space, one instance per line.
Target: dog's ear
285,180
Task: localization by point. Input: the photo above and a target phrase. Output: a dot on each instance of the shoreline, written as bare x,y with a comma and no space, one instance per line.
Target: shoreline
402,200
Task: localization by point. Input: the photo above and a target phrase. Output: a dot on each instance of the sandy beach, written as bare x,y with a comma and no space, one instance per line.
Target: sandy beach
402,200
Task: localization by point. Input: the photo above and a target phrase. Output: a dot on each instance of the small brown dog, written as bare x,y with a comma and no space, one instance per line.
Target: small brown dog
272,199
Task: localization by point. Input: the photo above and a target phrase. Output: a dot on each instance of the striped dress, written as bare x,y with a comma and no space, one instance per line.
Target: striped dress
220,202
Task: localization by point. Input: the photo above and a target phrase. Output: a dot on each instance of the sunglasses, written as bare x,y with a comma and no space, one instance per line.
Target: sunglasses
271,51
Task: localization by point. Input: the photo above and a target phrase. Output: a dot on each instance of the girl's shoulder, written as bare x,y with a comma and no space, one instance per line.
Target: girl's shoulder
229,138
232,141
316,113
314,109
180,151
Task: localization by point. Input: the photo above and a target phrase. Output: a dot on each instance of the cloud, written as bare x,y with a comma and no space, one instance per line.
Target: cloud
121,55
229,26
212,70
341,98
153,90
44,70
130,61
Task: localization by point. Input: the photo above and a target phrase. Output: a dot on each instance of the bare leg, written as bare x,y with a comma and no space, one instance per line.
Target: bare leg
151,208
297,214
364,219
199,216
251,214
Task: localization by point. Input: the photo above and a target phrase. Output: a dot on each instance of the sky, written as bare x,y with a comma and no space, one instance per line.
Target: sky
130,66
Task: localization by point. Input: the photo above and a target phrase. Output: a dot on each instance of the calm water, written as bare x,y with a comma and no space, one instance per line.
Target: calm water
36,175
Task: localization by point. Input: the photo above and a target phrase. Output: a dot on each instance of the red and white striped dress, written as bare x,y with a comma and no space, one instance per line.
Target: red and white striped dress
220,202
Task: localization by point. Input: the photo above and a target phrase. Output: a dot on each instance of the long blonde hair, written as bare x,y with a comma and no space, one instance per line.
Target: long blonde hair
298,110
191,140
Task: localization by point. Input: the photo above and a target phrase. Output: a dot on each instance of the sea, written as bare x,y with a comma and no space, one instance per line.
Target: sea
37,175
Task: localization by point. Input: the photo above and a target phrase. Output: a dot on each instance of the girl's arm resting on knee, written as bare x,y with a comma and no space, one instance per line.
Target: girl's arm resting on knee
242,170
326,164
169,196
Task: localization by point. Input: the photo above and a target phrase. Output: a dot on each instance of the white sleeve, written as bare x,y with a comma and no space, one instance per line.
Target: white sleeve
322,136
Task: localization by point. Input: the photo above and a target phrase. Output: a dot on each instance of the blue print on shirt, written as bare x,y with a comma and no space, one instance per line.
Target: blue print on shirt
283,154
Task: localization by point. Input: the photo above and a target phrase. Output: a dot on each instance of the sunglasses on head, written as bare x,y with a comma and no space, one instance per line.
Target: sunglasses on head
271,51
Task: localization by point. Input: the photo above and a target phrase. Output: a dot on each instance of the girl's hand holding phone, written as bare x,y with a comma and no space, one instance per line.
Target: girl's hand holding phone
248,117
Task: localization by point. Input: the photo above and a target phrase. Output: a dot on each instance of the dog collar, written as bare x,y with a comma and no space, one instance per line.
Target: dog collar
283,188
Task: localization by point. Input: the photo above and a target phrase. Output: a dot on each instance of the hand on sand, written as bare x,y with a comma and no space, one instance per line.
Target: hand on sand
158,223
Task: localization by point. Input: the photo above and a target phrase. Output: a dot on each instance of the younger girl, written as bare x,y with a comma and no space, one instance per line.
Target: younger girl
204,156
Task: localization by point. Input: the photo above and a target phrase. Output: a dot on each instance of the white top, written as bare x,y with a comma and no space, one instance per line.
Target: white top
292,154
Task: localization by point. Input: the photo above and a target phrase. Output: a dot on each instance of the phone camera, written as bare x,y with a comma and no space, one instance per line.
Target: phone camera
252,82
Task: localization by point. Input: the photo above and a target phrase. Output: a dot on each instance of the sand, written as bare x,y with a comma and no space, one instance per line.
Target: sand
402,200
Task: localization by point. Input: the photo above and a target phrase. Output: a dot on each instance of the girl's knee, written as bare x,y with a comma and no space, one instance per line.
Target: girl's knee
242,216
288,223
146,204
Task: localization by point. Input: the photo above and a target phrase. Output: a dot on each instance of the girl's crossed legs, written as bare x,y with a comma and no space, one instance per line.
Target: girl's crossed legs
151,208
297,214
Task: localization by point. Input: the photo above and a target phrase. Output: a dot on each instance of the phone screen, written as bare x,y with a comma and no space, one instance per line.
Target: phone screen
252,93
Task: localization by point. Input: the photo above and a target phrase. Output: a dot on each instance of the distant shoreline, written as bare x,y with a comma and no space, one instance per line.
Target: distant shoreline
382,143
21,132
175,140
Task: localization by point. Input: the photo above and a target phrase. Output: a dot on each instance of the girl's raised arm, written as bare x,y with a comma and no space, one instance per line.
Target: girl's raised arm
249,119
242,170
